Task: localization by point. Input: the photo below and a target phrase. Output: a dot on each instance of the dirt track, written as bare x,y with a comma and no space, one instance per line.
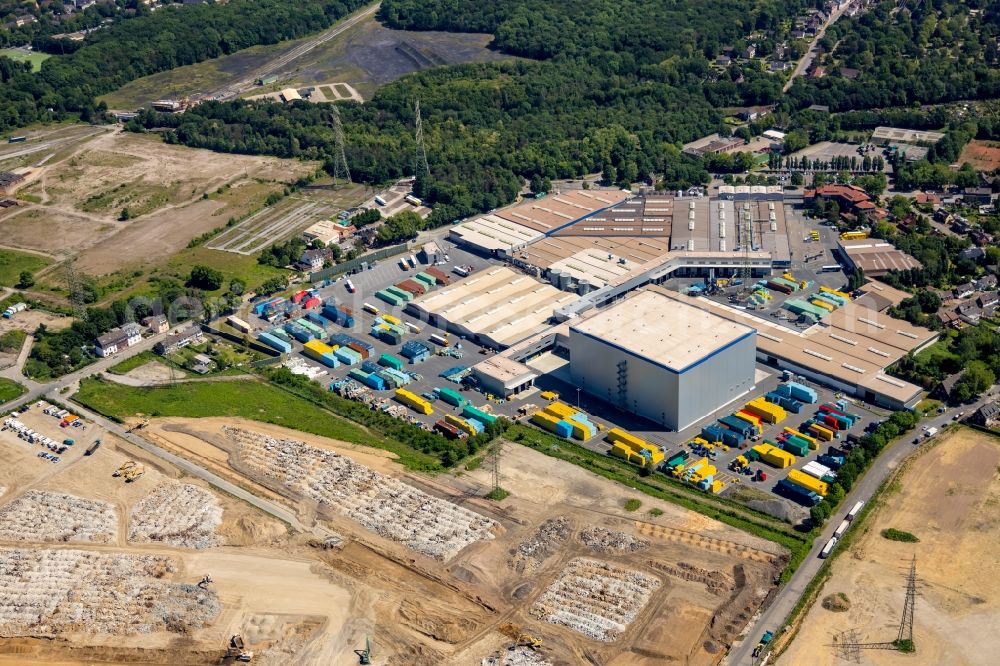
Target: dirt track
947,498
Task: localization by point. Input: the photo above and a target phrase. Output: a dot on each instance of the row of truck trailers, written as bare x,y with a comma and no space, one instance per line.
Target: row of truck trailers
841,529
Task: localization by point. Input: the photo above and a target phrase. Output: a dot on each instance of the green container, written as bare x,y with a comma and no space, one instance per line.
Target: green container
471,412
400,293
390,361
389,297
426,279
452,397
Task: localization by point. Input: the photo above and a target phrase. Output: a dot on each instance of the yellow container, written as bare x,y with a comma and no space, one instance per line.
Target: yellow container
392,320
828,290
767,411
774,456
414,401
461,424
748,415
822,304
803,480
546,421
717,487
635,445
822,433
560,409
318,347
549,395
813,444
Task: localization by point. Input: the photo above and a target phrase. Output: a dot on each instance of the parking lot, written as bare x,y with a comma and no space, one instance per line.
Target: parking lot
426,374
51,440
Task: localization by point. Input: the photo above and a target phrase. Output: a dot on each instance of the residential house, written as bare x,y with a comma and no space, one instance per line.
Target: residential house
749,52
817,73
156,324
797,33
723,61
926,198
988,299
972,253
987,416
980,237
986,283
978,196
849,73
943,390
964,290
778,65
179,339
948,318
969,312
820,108
118,339
314,260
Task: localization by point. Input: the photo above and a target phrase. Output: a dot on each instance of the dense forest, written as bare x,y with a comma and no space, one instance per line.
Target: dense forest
171,37
603,88
931,52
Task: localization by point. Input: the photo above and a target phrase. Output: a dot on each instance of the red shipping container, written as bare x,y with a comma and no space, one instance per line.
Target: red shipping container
358,348
413,287
440,276
297,298
313,302
831,421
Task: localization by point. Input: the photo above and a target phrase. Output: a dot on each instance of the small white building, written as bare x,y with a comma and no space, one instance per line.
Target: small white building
118,339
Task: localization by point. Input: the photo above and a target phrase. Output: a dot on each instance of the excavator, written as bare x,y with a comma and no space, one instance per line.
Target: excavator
130,471
139,426
514,632
236,650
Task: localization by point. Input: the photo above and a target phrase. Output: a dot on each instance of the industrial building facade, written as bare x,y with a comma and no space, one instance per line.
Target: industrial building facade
667,361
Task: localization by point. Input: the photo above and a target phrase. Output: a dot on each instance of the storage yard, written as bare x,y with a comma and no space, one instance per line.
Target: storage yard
947,498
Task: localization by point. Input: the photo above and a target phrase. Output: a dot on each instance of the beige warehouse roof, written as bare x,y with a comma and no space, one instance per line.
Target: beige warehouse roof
853,353
663,330
498,304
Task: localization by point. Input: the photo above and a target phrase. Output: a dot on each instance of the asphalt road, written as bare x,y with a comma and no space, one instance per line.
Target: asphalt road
810,55
775,615
37,389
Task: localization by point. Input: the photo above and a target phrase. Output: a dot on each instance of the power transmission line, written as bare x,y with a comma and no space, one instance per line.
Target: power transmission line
420,165
340,169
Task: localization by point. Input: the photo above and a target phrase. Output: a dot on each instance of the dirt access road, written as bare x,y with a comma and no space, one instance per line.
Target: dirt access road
947,497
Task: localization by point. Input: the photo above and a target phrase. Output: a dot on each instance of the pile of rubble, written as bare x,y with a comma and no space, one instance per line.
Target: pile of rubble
382,504
516,656
177,514
597,599
546,539
55,592
39,515
604,540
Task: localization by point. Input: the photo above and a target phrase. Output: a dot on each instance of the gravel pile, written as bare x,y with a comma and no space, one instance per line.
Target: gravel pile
611,541
177,514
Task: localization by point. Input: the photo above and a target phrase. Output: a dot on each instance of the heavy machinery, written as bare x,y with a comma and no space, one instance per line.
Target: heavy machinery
237,650
139,426
130,471
365,656
514,632
205,582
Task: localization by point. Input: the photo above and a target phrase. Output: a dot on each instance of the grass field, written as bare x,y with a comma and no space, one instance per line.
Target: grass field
253,400
20,55
10,390
12,263
133,362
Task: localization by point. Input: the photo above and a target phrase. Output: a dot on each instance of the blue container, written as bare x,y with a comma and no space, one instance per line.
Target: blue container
316,318
300,333
833,462
370,366
275,342
347,356
802,393
738,425
373,381
476,425
564,429
796,493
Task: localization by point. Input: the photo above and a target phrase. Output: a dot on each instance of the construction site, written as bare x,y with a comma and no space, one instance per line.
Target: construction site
118,557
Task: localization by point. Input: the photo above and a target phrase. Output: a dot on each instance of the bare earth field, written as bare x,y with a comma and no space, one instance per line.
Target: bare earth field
82,194
948,498
982,155
421,564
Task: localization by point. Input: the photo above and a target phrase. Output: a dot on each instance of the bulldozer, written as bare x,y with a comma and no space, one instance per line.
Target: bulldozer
237,650
514,632
125,467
